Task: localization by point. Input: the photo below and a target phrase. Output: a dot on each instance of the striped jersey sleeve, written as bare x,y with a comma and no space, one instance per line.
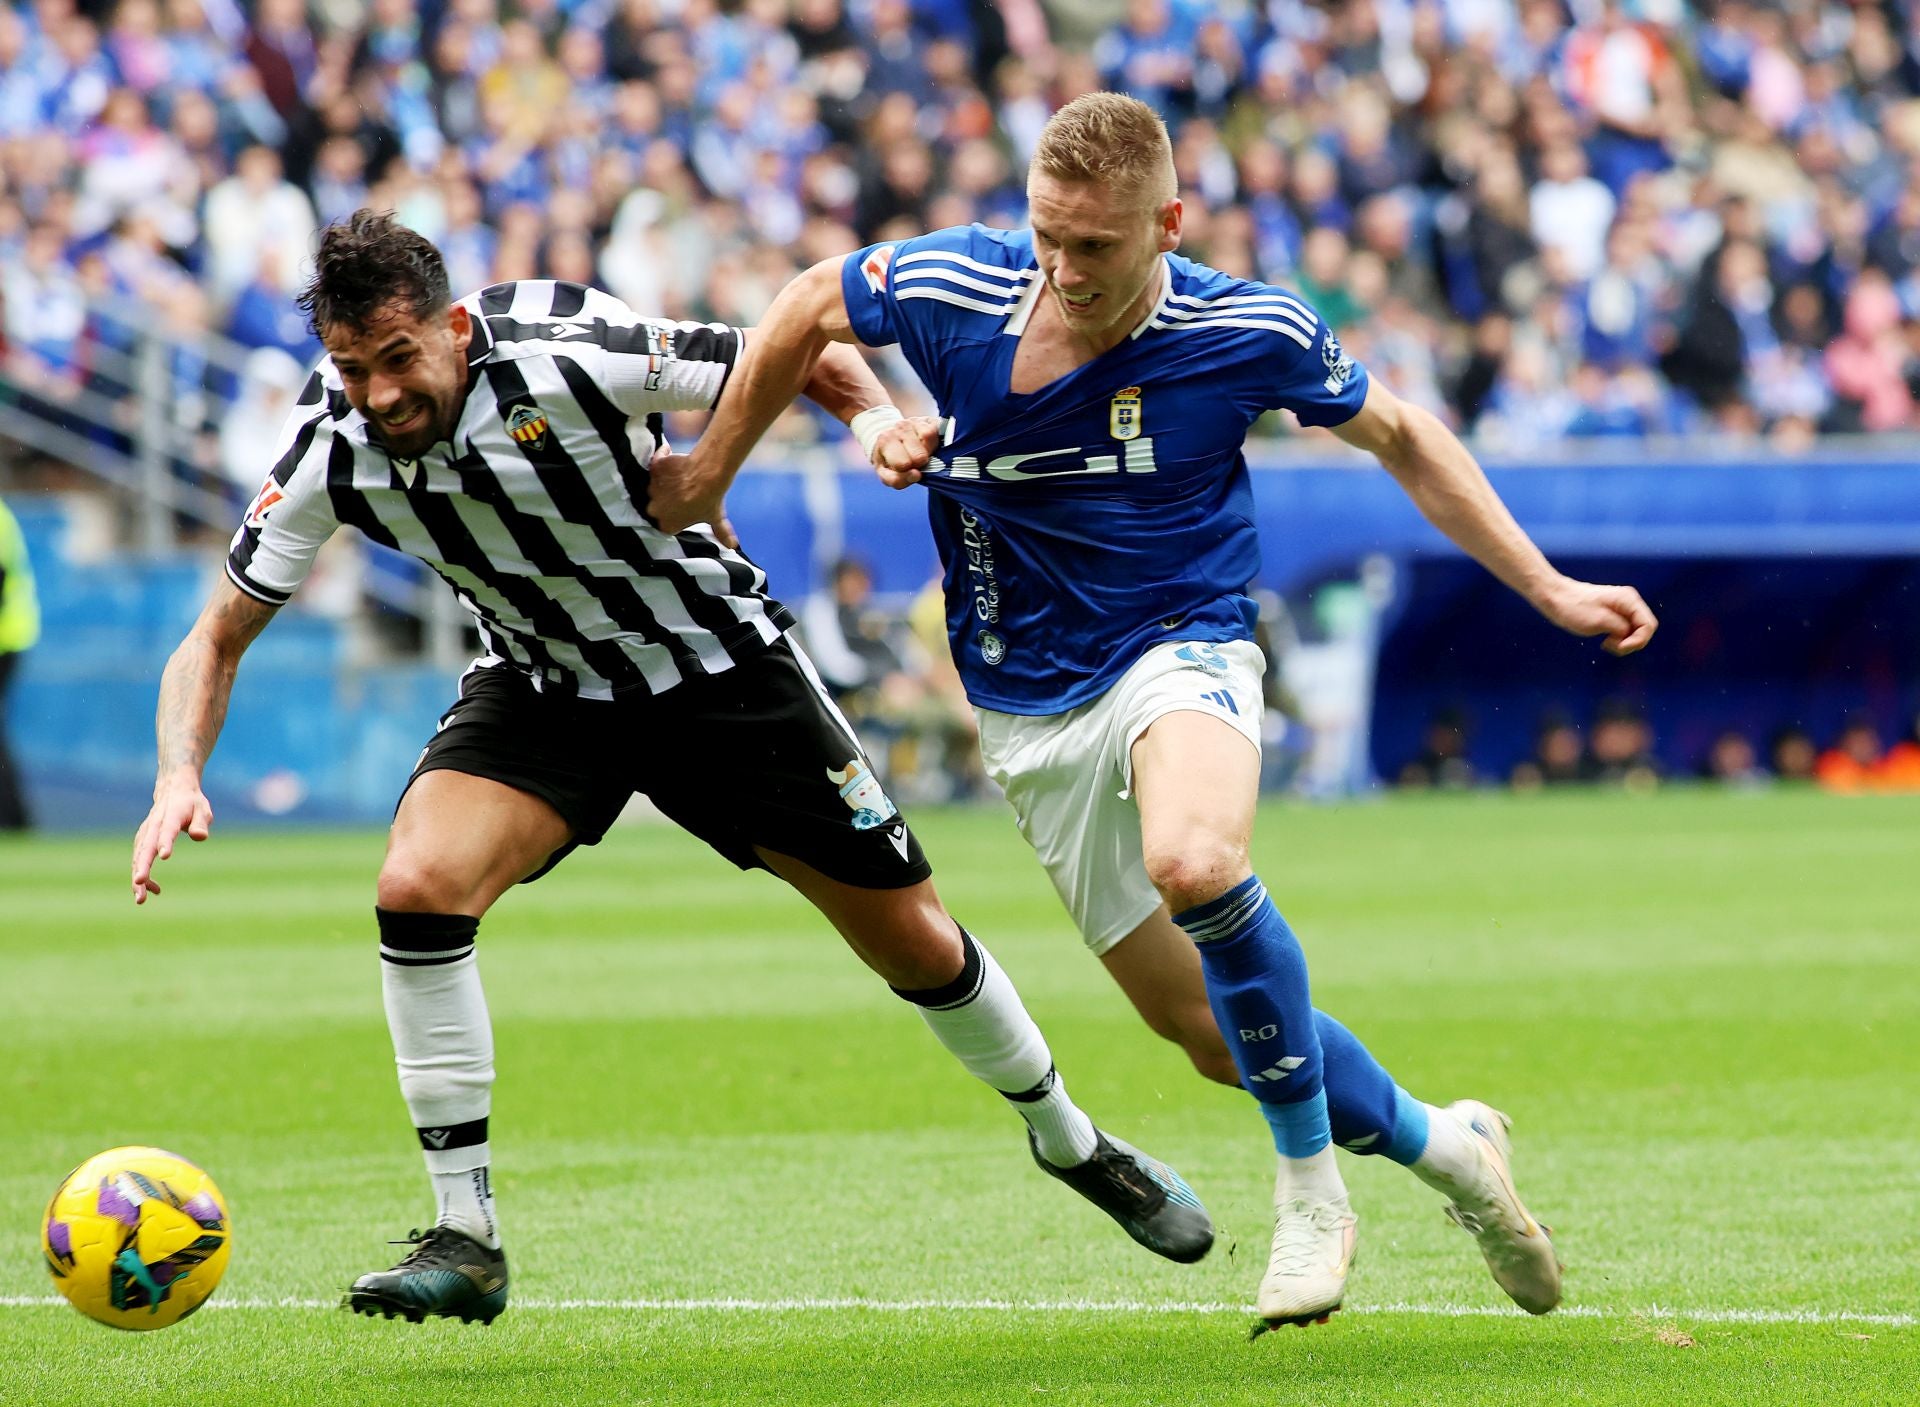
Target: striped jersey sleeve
292,515
644,365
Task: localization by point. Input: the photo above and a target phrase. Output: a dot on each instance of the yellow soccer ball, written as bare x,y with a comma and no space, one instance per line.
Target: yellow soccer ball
137,1238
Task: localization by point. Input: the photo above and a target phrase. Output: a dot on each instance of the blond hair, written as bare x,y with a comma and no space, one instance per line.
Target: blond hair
1112,140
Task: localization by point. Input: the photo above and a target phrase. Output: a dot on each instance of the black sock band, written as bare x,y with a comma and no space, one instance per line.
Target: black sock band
425,940
1038,1092
467,1135
960,991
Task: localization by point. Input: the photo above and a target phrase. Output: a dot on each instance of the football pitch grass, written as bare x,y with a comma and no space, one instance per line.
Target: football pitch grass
733,1168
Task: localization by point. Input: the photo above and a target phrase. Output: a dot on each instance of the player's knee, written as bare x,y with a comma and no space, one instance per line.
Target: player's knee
418,885
920,960
1194,870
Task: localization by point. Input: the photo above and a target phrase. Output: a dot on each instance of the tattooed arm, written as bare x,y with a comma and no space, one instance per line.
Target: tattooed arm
193,704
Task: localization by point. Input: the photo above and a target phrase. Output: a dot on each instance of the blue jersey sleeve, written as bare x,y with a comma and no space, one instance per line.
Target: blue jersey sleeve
932,292
866,285
1320,384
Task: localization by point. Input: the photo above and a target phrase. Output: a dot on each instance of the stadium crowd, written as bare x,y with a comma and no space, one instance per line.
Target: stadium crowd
1541,219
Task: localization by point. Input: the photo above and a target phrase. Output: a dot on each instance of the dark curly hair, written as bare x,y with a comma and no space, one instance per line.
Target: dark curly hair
366,262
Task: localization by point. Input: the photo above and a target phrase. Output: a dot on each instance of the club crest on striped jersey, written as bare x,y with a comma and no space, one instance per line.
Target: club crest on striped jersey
1123,416
528,425
861,790
874,267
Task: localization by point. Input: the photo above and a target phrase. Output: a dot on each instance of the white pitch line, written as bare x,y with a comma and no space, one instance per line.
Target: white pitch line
993,1306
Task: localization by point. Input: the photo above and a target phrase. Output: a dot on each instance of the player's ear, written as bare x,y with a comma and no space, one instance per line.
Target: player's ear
460,323
1170,218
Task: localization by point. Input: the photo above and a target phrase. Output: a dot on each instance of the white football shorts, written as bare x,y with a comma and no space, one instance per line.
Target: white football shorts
1069,775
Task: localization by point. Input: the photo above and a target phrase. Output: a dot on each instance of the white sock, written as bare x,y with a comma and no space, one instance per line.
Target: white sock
443,1049
979,1018
466,1200
1452,1157
1061,1130
1315,1177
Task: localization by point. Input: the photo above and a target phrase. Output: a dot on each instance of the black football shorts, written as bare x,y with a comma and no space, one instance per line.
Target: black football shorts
755,756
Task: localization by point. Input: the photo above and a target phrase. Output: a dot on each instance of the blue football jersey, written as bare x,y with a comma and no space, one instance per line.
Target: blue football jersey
1111,509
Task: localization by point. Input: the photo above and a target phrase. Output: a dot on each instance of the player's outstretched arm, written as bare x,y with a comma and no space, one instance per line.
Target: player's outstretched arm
193,704
1448,486
782,359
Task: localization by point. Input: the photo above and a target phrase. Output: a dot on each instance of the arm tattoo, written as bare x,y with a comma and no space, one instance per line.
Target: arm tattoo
199,678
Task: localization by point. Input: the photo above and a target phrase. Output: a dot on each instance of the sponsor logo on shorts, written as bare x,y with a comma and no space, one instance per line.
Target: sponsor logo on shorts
860,789
1205,657
1220,698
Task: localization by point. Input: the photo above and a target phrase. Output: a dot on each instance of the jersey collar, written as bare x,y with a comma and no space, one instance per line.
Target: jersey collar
1160,303
1023,310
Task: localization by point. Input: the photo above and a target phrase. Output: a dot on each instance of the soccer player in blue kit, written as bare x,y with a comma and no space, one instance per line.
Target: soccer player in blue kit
1094,514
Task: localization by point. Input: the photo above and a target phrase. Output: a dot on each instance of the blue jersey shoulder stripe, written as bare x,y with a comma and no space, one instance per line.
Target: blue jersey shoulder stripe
959,300
958,280
919,256
1228,320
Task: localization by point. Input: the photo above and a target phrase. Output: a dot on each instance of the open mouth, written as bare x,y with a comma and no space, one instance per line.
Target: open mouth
412,420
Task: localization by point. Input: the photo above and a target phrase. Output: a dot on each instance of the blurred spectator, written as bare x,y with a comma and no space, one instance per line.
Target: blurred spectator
250,431
1571,211
19,629
1559,756
1732,761
1900,769
1793,755
1442,761
1853,762
1621,748
255,213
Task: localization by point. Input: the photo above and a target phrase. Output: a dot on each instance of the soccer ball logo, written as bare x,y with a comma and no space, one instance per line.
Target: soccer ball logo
137,1238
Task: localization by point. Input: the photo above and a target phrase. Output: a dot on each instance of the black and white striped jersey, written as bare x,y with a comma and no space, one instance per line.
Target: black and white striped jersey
532,513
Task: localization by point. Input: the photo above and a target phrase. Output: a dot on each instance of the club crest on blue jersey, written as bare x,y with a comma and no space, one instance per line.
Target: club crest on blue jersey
1123,417
860,789
1339,364
528,425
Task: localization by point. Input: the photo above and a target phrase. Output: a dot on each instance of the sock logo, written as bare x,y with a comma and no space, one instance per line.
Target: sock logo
1279,1070
437,1137
1265,1033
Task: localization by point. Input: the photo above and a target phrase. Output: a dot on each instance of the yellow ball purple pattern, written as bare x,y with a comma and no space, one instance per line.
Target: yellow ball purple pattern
137,1238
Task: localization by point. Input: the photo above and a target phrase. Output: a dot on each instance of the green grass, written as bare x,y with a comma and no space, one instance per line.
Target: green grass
1701,1009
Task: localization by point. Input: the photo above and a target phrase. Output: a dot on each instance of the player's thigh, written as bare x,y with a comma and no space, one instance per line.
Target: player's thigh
758,760
1063,779
458,842
1193,747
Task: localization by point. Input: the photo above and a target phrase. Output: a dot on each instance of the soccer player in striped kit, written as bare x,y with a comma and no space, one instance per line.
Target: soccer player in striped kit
1093,510
505,440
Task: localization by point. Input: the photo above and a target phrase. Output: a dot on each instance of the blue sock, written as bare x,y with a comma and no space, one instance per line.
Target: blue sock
1369,1113
1257,986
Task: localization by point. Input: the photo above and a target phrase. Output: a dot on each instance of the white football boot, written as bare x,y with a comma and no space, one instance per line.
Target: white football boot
1314,1235
1519,1250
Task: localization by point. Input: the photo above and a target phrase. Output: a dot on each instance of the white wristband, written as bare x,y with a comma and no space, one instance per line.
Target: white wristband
869,423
